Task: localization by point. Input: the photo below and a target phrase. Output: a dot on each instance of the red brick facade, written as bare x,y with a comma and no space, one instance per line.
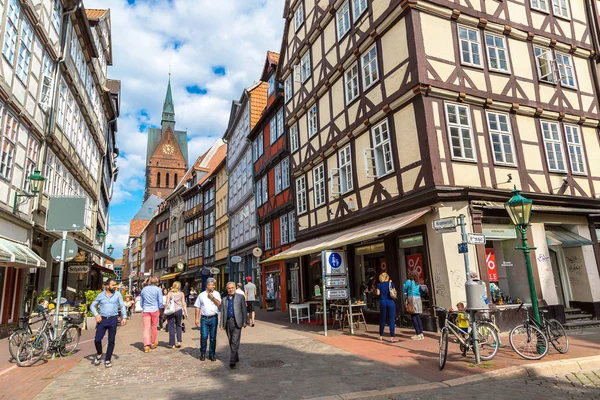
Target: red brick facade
165,168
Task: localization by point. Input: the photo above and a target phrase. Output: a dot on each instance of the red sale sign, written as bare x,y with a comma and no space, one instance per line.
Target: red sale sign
490,261
415,262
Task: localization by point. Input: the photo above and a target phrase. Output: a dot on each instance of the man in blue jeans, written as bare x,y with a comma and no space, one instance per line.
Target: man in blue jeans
207,310
107,320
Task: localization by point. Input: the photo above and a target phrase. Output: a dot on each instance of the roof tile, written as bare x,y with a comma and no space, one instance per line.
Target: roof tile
258,102
94,13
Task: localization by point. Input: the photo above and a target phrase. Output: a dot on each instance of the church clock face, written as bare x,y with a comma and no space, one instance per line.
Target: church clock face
168,149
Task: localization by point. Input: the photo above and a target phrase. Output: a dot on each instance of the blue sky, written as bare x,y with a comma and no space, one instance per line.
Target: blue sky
213,49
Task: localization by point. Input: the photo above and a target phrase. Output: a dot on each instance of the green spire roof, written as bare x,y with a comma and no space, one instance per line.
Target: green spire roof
168,108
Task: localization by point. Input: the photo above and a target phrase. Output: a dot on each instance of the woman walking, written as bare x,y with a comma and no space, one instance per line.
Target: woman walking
413,295
161,318
387,306
174,320
151,303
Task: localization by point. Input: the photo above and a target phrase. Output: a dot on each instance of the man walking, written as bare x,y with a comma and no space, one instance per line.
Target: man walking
186,292
250,291
234,317
207,308
107,320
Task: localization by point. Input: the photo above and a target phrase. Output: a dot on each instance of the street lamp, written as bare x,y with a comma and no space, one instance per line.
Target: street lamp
110,249
519,210
101,237
35,180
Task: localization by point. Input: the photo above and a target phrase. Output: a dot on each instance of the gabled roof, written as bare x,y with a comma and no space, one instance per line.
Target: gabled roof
146,211
258,102
136,227
212,163
272,59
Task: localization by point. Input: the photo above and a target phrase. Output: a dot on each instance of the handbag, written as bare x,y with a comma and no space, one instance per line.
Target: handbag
393,291
409,306
170,309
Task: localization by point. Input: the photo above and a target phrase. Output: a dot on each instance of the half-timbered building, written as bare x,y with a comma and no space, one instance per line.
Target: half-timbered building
222,223
274,202
402,112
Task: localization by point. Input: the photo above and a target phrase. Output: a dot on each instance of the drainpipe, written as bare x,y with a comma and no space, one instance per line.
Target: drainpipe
596,44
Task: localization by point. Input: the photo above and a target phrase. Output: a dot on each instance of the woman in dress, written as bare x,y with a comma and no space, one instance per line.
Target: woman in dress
174,319
412,292
387,306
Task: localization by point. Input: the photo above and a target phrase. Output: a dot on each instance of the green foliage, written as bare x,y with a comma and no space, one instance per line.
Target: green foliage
46,294
90,296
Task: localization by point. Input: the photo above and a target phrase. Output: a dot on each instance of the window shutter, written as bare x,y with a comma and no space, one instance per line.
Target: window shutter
335,182
370,163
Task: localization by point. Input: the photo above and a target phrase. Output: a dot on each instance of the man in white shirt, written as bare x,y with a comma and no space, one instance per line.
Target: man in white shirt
239,290
207,309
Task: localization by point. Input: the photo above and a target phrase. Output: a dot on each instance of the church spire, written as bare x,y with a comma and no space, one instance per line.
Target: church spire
168,116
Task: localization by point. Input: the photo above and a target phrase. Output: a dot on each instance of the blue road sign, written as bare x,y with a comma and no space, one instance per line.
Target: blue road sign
463,248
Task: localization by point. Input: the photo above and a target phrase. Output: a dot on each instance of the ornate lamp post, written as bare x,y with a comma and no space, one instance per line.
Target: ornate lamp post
110,249
101,237
519,210
35,181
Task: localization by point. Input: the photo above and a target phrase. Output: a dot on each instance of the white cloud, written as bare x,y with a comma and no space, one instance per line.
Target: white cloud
118,236
234,34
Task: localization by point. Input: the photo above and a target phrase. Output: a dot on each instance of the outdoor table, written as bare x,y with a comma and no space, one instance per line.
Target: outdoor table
298,308
357,316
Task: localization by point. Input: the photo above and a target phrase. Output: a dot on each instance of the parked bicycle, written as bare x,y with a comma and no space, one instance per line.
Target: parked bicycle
35,344
530,340
17,337
487,338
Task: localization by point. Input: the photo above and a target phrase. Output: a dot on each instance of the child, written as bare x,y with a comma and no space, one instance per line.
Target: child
129,304
462,320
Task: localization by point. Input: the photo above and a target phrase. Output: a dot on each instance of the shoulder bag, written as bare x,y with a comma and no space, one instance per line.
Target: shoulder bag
393,291
170,309
409,306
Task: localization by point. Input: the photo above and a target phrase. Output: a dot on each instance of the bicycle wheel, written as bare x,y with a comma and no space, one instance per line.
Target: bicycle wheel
487,340
557,336
69,340
15,340
529,342
32,349
443,347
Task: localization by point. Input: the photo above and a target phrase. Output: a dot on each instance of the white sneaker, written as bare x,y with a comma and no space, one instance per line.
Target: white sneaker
421,337
416,337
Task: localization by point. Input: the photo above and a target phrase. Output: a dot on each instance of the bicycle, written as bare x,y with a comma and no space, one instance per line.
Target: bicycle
487,339
36,344
530,339
17,337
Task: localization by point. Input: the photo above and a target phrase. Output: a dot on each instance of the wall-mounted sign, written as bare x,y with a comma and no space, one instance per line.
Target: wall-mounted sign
257,252
499,231
215,270
444,223
490,261
78,269
236,259
335,262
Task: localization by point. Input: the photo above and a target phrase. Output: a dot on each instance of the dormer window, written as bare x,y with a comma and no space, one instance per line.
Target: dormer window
271,88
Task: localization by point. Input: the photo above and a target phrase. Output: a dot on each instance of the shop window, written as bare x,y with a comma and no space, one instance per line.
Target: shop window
370,262
413,257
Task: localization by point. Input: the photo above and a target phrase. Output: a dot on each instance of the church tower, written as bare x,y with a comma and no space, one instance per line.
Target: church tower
166,154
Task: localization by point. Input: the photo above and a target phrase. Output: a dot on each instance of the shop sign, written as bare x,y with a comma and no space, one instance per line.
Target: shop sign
336,281
335,262
236,259
414,262
214,270
257,252
490,261
499,231
475,238
337,294
78,269
133,274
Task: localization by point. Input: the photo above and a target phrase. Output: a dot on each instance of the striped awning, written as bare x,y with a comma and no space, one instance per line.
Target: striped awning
13,254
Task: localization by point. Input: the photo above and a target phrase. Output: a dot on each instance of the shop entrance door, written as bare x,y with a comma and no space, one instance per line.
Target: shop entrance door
295,278
558,277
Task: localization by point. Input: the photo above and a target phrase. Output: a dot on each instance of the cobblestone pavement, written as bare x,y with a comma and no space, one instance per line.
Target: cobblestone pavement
275,363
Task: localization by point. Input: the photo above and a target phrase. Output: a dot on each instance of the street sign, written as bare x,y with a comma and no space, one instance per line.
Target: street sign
236,259
133,274
337,294
336,281
78,269
475,238
335,262
66,214
70,250
446,230
463,248
444,223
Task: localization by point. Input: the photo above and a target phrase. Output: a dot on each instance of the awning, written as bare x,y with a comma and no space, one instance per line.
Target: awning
90,249
102,268
195,271
556,235
169,276
13,254
353,235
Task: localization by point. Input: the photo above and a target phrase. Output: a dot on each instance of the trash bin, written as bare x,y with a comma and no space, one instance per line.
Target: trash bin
476,295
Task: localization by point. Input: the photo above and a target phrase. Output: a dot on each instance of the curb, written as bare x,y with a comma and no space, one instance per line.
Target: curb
542,369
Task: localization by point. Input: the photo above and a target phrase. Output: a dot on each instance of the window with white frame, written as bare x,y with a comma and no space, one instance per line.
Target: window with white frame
460,132
343,20
351,83
260,147
265,189
561,8
345,169
280,123
370,72
501,137
311,118
565,68
470,48
271,85
319,184
541,5
25,51
268,238
57,15
47,68
285,173
378,160
258,191
298,17
497,52
358,7
301,195
292,223
305,70
545,64
11,32
575,146
273,130
284,233
553,146
288,89
294,139
8,145
277,172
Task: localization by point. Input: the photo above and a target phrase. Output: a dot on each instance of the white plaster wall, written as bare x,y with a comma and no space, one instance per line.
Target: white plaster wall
542,255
